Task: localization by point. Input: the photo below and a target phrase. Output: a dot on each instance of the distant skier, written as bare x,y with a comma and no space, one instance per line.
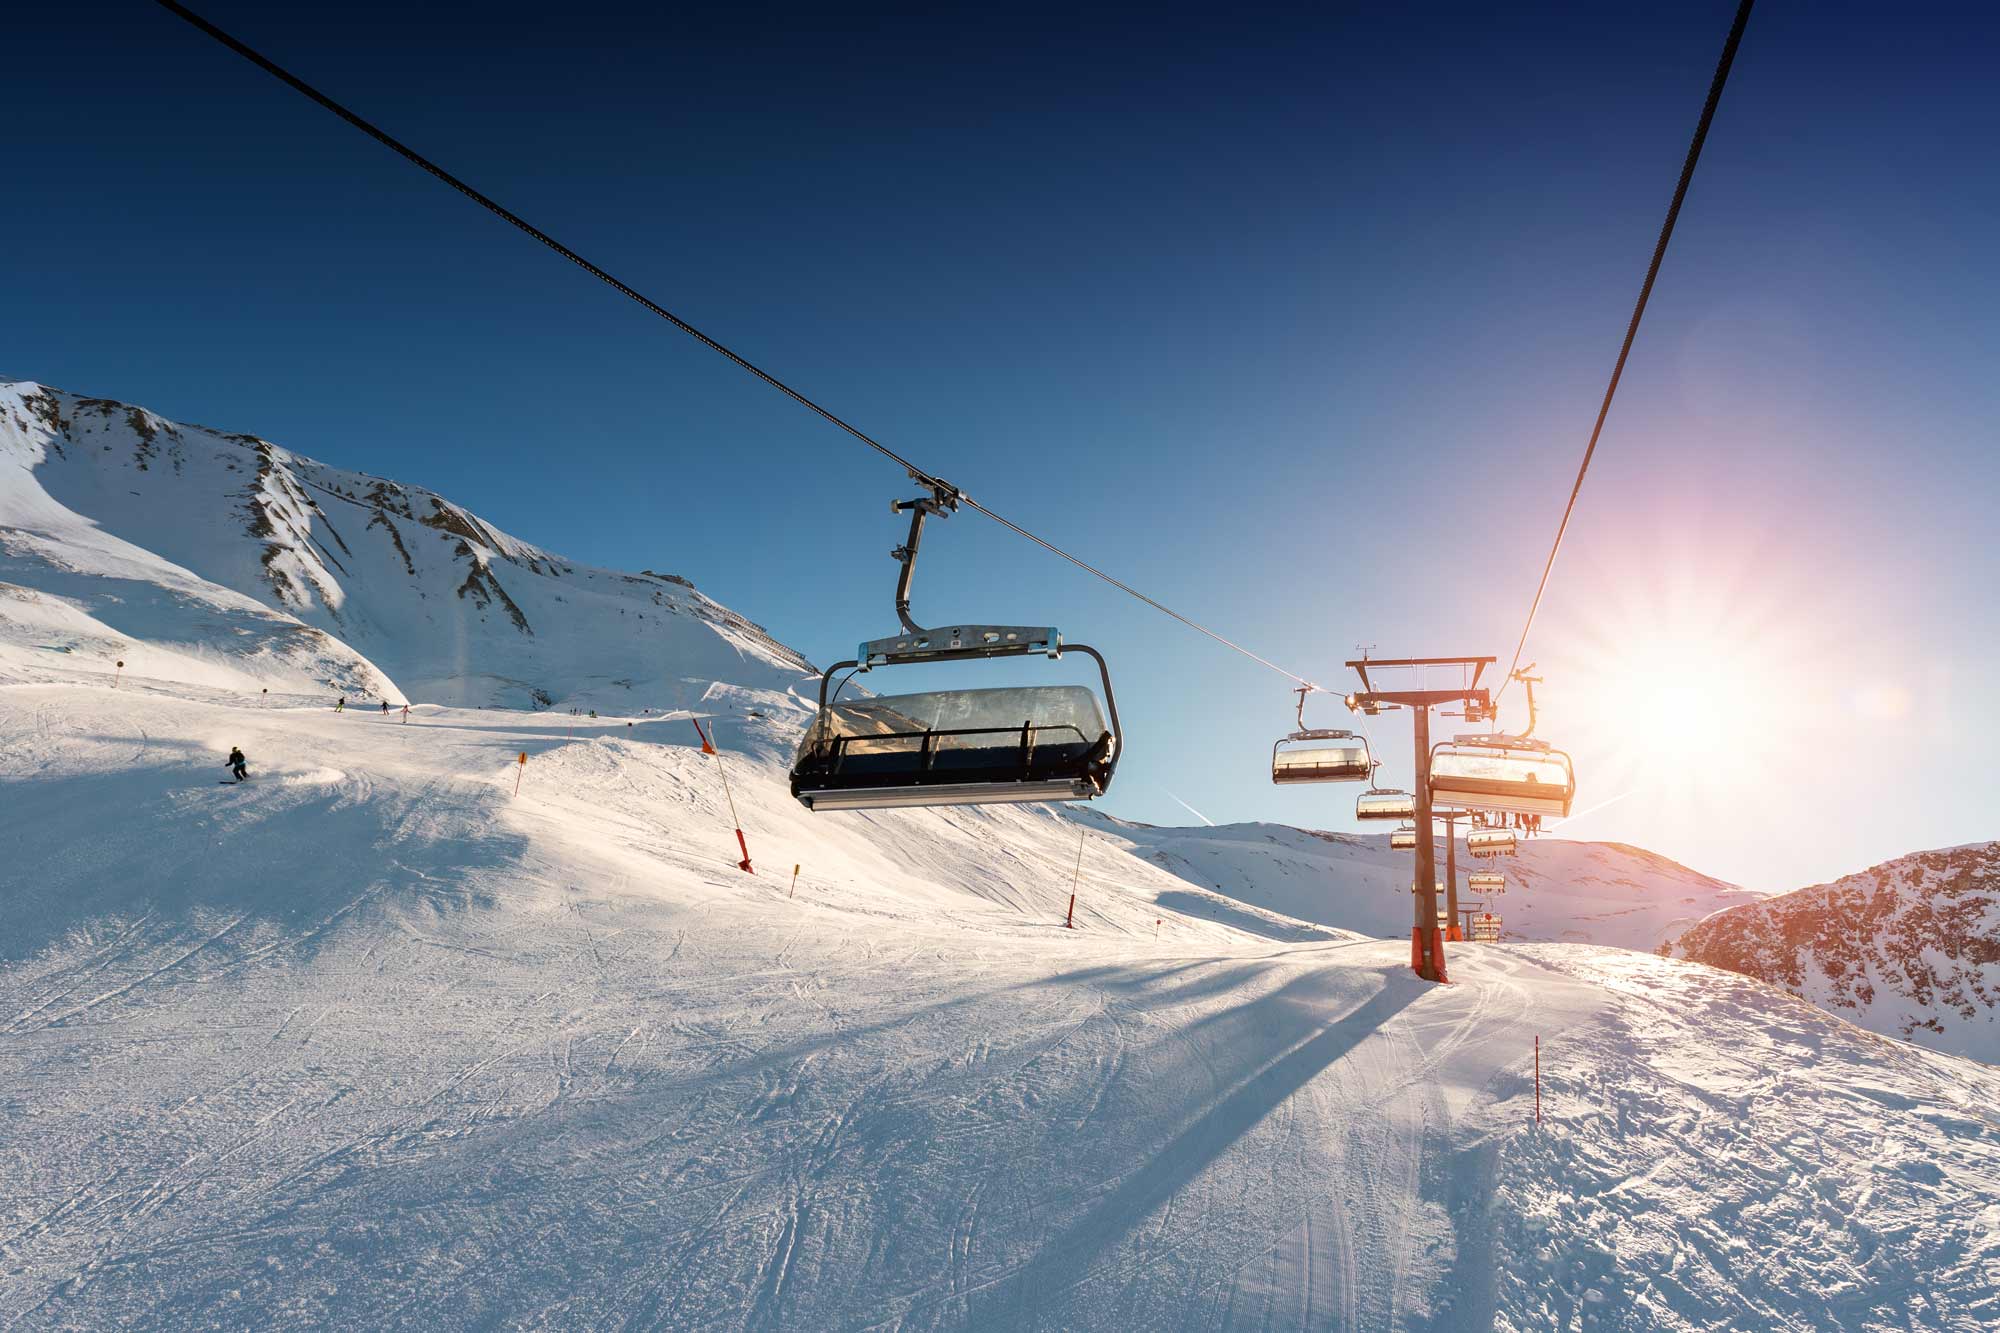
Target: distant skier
385,708
238,764
406,715
340,704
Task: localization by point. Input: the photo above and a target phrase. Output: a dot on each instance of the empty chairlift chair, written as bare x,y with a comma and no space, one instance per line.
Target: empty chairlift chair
1403,839
1385,803
1317,754
957,747
1486,881
1485,928
1485,842
1504,774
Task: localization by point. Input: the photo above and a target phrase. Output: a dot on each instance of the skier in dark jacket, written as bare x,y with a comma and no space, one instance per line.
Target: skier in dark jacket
238,764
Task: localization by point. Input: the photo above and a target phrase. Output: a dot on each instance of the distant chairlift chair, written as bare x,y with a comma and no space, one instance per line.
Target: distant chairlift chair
1318,754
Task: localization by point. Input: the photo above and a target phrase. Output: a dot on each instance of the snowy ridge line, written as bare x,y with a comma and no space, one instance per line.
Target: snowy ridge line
415,591
1909,948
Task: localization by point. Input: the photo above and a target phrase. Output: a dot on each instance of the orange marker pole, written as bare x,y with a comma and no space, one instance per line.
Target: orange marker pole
518,772
708,747
795,880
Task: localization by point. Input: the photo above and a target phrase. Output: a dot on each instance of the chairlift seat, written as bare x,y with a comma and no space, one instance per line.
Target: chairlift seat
956,747
1491,842
1403,840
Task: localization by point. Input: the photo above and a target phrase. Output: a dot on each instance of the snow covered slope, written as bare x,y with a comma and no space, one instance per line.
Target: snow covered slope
1910,947
221,546
1582,892
370,1036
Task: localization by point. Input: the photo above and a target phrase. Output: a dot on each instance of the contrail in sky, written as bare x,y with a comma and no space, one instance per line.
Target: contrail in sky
1190,809
1581,813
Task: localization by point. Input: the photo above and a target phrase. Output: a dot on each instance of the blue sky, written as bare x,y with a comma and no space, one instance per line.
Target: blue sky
1296,320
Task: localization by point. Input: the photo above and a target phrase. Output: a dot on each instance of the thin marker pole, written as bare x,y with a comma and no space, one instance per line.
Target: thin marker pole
1069,922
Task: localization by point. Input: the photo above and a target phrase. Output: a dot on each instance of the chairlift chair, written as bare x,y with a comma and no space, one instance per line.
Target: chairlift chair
1486,928
1486,881
1319,754
1503,774
1487,842
956,747
1385,803
1403,839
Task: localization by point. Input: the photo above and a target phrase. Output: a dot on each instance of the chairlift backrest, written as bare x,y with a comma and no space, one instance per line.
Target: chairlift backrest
1506,774
1403,840
1491,842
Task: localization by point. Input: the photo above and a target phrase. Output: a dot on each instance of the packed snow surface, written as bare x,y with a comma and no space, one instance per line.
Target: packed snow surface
371,1040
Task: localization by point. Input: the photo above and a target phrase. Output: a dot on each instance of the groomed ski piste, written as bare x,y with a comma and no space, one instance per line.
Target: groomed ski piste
371,1041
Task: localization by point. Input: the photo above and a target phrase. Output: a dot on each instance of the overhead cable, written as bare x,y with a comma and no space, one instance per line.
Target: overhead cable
1638,312
916,473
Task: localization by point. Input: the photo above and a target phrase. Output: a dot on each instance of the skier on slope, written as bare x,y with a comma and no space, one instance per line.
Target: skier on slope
385,708
238,764
340,704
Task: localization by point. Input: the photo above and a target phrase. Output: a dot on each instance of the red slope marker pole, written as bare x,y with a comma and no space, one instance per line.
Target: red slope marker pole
522,768
119,674
707,747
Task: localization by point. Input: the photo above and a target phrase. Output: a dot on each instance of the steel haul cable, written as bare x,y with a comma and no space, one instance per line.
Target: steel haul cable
916,473
1722,67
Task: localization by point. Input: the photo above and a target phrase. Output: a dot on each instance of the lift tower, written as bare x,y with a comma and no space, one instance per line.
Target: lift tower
1426,939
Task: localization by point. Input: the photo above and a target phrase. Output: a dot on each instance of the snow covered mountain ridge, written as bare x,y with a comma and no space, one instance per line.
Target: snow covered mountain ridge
137,529
1909,948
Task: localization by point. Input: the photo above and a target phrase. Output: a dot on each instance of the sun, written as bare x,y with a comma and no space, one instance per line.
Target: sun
1676,717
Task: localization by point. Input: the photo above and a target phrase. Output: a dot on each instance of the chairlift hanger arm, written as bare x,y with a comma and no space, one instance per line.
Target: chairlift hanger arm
942,500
